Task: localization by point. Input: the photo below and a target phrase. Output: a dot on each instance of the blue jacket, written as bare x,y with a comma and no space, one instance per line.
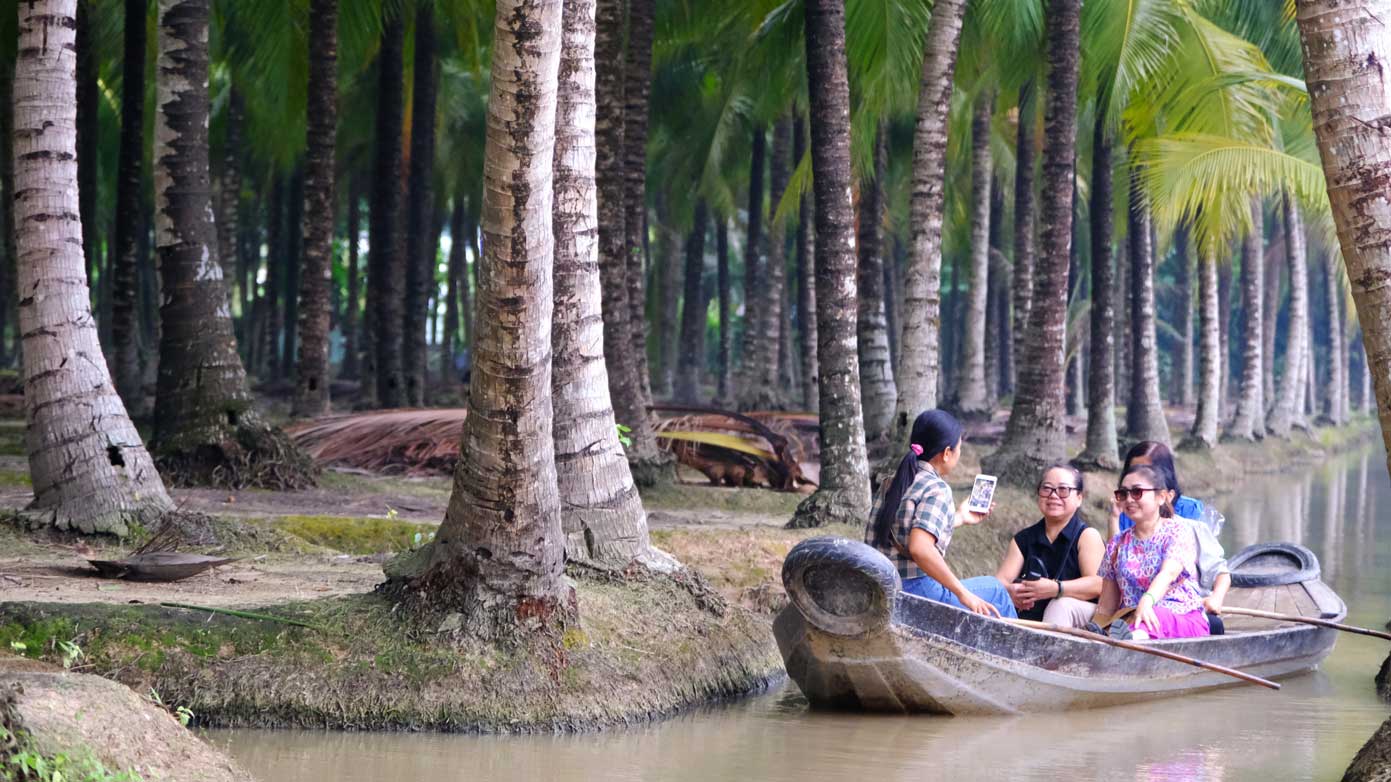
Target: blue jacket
1187,507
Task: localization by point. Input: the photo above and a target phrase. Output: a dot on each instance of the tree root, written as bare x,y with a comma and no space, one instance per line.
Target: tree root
255,455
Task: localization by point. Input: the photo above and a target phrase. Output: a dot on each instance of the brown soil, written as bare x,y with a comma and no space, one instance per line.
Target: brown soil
83,716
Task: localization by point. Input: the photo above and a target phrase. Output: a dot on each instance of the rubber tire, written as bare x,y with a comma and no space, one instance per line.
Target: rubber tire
841,586
1307,570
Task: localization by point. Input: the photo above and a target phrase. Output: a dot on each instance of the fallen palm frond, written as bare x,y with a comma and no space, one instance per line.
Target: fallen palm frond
777,450
386,441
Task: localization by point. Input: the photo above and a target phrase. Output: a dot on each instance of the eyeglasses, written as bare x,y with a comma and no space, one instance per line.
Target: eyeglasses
1062,492
1134,492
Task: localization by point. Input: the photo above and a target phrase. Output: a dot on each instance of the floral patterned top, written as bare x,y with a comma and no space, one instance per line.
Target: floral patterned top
1133,563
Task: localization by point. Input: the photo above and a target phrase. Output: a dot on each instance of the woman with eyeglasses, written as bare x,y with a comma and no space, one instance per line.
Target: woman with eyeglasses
1152,566
1214,576
913,519
1050,568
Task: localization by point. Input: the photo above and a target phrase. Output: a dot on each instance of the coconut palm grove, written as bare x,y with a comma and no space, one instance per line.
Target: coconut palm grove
550,366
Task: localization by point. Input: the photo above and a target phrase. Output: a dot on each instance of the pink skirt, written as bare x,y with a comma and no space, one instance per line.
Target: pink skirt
1171,625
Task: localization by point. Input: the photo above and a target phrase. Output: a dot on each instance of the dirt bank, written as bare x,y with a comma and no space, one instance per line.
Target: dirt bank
90,728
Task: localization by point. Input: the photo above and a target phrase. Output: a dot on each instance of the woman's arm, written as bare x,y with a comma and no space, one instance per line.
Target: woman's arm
1089,551
1144,613
1213,602
922,547
1110,599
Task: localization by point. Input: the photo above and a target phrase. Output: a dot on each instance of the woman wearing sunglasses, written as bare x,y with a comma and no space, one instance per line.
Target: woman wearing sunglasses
1214,576
1050,568
1152,566
914,516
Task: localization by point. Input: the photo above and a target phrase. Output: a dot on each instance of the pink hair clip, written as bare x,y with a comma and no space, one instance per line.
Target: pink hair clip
917,449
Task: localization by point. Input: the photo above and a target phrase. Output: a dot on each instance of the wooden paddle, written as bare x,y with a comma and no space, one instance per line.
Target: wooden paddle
1305,620
1134,647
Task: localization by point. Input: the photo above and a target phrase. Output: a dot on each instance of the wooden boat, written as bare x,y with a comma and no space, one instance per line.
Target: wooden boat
852,639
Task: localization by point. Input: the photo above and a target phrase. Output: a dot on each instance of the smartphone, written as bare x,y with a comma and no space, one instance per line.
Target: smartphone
982,492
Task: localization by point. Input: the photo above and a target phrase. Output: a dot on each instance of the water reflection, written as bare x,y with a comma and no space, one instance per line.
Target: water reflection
1308,730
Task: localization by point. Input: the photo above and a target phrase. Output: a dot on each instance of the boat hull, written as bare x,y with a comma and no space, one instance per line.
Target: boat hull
932,657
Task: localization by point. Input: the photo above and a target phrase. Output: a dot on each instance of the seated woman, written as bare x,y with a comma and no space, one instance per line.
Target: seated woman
1214,577
1151,566
913,520
1061,550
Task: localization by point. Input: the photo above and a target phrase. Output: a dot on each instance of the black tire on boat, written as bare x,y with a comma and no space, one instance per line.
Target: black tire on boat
1273,564
842,586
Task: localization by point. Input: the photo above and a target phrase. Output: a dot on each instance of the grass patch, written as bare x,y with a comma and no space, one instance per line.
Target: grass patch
352,535
12,438
429,487
684,496
15,478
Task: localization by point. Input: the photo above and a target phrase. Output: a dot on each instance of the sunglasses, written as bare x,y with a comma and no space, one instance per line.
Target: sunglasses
1134,492
1062,492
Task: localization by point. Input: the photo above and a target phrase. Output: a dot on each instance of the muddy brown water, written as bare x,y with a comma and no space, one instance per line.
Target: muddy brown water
1308,730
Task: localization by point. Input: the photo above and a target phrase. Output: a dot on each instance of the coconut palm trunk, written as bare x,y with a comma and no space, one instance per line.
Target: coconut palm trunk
637,75
125,331
1144,414
1337,365
455,275
383,381
311,386
843,495
228,198
769,313
420,234
1287,412
670,273
690,372
9,312
1205,424
1269,318
90,471
749,395
1023,275
724,385
970,384
806,279
499,558
1249,423
1036,434
877,391
294,255
1184,263
352,323
919,359
1225,273
625,386
604,519
1101,451
206,429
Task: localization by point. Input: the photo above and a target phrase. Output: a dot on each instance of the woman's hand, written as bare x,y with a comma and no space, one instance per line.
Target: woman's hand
965,515
1146,617
1213,604
1040,589
1016,595
979,606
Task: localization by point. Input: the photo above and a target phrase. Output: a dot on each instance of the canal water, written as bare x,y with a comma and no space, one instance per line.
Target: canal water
1308,730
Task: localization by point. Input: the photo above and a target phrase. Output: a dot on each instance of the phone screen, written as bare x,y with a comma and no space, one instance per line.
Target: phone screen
982,492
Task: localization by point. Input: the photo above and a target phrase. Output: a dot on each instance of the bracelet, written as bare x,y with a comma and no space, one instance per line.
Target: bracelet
1060,588
1154,601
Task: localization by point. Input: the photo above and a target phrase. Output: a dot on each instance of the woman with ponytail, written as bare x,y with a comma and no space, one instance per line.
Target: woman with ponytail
914,517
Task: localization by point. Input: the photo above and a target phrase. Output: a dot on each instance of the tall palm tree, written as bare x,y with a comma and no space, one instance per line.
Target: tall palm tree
690,371
877,391
971,394
383,379
1286,412
1101,449
1333,403
1144,413
311,387
919,361
206,428
420,234
749,389
501,548
843,495
1204,432
125,359
1023,272
604,519
637,77
806,282
89,468
625,385
1035,435
1249,423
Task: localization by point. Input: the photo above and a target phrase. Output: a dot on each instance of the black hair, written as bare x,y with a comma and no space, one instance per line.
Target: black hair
934,431
1154,475
1076,474
1161,457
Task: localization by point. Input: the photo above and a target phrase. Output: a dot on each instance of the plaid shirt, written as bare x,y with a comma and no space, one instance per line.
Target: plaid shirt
927,505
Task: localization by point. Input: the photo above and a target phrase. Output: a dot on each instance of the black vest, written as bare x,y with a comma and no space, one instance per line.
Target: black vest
1058,558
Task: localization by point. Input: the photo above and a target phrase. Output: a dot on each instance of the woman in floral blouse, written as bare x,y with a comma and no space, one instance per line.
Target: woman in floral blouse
1152,566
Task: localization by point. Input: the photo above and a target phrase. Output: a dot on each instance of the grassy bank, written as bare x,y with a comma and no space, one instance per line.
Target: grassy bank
644,647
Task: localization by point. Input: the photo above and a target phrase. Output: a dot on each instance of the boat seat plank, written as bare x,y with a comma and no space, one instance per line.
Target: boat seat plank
1286,599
